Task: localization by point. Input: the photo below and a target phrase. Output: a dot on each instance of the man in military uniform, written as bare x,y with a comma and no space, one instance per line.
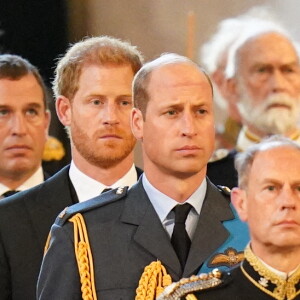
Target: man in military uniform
94,101
263,78
268,199
122,231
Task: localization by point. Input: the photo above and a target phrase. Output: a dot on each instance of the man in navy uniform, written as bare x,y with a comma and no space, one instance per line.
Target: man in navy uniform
124,230
268,199
94,101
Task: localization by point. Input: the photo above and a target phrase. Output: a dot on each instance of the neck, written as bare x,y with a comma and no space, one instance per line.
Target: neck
284,259
178,186
106,176
14,180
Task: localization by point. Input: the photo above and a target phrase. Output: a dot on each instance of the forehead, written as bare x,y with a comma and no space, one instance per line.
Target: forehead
172,77
26,89
281,162
106,71
268,48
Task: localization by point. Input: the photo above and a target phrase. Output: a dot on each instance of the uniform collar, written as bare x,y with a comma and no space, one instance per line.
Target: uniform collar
270,281
163,204
246,138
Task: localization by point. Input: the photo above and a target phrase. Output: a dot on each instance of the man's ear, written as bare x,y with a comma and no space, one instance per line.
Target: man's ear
232,95
63,110
239,201
137,122
47,122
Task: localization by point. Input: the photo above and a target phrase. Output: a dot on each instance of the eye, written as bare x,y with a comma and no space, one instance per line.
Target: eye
96,101
32,112
261,70
288,70
4,112
126,103
202,111
271,188
171,112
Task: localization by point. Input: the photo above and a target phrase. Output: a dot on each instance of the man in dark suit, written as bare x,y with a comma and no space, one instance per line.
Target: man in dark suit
94,101
268,200
24,122
129,228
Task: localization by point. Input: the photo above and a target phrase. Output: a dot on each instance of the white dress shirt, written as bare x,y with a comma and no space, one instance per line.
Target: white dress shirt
87,187
164,205
35,179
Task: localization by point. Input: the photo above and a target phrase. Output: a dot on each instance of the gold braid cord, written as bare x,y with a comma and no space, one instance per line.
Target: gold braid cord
84,258
47,243
153,281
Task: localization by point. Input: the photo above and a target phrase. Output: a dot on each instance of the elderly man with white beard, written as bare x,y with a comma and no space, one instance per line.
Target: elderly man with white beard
263,76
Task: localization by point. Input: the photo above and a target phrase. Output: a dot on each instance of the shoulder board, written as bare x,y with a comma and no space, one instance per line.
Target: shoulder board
224,190
101,200
178,290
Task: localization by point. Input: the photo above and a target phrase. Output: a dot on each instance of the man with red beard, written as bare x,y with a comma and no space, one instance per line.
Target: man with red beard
92,86
263,74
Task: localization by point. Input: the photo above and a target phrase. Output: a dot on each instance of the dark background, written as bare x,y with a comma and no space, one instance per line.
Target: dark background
38,31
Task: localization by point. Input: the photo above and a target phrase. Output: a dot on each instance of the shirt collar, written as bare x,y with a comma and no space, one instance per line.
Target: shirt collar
164,204
35,179
87,187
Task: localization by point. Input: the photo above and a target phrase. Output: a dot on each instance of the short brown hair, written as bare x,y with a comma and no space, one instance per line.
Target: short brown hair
141,80
14,67
103,50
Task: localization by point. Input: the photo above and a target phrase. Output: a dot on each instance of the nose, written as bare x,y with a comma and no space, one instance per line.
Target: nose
188,124
18,124
288,198
278,82
110,114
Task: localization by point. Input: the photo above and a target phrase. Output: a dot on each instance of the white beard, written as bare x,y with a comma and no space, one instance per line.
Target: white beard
277,114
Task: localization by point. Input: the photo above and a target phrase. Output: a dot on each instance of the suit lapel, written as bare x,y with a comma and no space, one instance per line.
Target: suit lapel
49,199
210,233
150,234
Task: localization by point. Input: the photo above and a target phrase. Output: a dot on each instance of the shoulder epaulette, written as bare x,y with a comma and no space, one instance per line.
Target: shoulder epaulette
101,200
225,190
195,283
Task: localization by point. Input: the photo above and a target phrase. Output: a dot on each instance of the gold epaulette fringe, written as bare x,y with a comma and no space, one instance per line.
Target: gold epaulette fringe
153,281
84,258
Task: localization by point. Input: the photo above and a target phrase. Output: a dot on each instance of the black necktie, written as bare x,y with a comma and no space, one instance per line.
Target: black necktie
9,193
180,238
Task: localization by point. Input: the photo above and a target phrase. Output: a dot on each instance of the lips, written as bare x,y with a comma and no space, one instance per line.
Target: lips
279,105
188,148
18,147
110,136
288,222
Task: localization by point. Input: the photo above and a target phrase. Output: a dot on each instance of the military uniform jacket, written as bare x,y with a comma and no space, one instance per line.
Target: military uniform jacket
222,171
250,284
25,221
126,235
